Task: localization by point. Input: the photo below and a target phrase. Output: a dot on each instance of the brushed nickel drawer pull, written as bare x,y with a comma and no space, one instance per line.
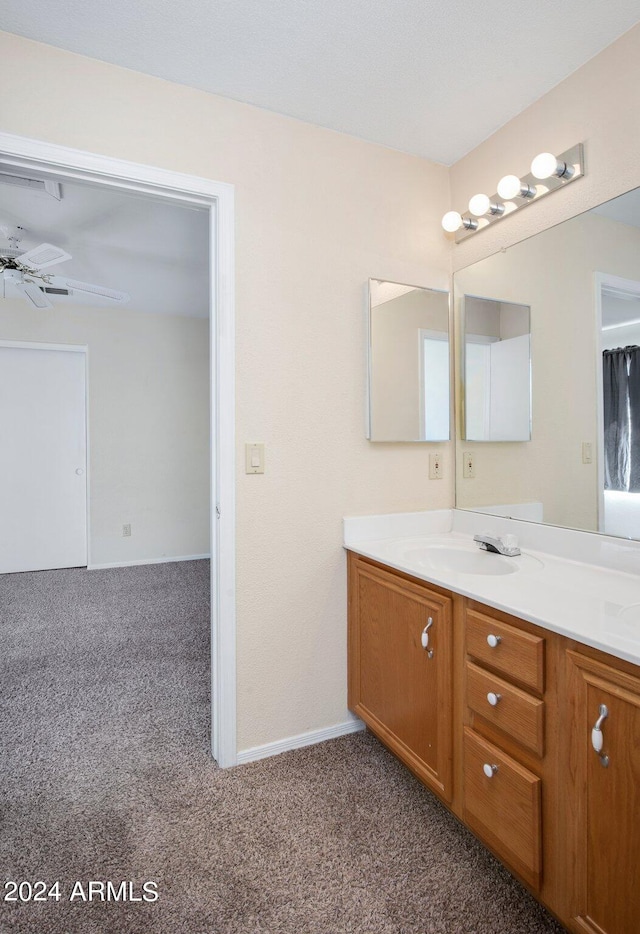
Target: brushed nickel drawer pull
494,699
494,641
489,770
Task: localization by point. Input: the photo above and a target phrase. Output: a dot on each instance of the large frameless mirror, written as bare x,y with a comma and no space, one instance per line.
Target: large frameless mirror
409,351
579,285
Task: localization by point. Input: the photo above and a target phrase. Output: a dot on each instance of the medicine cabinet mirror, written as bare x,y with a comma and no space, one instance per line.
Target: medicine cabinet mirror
496,370
409,351
578,284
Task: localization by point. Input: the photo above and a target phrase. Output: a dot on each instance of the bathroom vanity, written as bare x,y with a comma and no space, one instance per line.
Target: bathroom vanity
512,691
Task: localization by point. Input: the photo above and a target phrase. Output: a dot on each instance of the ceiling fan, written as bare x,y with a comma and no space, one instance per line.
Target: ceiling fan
22,273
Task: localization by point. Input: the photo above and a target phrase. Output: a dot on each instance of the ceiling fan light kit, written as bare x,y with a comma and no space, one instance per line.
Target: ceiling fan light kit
46,254
13,282
23,275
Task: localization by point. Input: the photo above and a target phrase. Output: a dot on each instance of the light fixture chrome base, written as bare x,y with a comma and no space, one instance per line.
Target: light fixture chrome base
574,159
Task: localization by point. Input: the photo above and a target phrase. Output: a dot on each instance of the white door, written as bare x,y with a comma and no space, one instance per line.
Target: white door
43,459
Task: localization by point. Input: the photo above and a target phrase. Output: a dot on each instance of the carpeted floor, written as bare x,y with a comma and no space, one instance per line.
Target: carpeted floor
106,776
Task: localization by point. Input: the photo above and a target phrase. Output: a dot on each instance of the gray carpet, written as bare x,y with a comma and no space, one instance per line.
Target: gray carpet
106,775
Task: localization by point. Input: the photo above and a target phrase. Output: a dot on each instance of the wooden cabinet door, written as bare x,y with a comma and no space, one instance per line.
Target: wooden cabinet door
606,899
401,689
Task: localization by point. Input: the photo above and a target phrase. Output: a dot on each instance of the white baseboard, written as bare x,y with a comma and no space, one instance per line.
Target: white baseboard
127,564
297,742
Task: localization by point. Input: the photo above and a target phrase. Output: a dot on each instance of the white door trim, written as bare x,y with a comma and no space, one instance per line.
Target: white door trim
219,198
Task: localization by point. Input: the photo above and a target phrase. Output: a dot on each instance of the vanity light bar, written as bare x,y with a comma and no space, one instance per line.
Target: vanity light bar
548,173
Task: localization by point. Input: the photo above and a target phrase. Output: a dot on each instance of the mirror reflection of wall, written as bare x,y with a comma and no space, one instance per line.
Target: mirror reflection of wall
497,370
560,472
409,383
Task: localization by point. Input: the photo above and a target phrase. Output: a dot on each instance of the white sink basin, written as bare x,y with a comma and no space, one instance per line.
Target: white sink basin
459,559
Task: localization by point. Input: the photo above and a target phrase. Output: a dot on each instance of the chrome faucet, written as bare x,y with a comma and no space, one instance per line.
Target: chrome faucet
508,545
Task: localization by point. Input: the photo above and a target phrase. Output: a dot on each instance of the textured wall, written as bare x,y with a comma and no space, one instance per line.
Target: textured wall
148,424
317,214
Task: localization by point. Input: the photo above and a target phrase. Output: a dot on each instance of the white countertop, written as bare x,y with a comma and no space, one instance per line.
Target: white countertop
594,602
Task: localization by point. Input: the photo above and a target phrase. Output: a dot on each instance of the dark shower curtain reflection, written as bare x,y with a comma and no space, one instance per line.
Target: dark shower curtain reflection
621,386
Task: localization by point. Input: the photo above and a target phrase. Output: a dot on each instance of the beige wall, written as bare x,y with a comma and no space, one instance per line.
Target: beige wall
148,424
553,273
317,214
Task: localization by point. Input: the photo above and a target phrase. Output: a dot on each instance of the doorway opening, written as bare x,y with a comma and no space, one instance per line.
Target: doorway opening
34,159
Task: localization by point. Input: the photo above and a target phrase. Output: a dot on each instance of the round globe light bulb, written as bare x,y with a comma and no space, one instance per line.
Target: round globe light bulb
544,165
479,205
452,221
509,187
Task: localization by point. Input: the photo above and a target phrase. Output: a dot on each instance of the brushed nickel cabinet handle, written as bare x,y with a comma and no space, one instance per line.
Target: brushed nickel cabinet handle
597,739
425,633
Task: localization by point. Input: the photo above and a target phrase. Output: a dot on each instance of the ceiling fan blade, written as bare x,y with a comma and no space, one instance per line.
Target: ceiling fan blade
87,288
43,255
35,295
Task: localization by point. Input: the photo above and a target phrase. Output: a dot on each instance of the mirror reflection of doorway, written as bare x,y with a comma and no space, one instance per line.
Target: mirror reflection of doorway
409,350
619,406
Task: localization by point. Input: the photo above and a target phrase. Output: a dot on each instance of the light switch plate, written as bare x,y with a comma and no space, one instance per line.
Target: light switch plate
254,457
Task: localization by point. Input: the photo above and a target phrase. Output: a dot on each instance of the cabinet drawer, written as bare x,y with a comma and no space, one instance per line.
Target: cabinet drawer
517,654
514,711
504,809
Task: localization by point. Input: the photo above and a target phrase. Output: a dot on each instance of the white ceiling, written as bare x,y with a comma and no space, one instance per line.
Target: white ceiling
154,249
422,76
